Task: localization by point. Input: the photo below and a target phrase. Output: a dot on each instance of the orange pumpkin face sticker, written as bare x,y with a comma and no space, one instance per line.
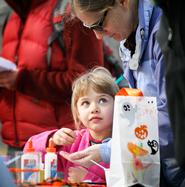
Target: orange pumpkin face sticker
141,132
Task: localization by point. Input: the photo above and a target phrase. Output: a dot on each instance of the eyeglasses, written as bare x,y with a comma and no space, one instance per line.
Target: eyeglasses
98,26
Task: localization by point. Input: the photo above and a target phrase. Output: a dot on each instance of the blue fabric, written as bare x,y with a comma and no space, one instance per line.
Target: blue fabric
150,73
5,177
105,150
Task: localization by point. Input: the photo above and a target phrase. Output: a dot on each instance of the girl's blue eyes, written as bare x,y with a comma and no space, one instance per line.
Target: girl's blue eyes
85,103
101,100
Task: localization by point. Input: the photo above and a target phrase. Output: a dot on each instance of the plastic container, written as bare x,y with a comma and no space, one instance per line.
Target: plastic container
30,165
50,161
41,172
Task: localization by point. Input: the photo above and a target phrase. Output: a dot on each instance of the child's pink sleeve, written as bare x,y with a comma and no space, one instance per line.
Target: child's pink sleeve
40,141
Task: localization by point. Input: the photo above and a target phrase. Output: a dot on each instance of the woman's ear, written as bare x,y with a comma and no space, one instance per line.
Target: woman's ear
124,3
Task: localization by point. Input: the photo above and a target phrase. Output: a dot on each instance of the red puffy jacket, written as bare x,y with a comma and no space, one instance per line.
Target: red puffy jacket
42,97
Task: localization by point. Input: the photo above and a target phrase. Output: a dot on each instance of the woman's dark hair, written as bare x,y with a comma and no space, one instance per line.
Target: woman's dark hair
94,5
164,4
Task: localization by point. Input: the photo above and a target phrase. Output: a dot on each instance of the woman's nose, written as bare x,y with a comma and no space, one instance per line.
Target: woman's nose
99,35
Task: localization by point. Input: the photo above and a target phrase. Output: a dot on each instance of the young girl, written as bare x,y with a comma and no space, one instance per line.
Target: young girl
92,109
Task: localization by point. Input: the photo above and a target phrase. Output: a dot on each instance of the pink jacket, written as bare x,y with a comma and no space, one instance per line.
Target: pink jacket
95,173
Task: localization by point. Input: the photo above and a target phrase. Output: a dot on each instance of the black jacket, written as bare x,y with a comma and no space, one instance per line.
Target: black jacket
171,37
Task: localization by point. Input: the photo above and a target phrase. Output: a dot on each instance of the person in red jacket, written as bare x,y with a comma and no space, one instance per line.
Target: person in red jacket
36,96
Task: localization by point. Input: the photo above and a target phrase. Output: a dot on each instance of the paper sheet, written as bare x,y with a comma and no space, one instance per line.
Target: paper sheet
6,65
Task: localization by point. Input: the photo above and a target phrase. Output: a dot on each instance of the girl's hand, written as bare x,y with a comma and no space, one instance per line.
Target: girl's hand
64,136
76,174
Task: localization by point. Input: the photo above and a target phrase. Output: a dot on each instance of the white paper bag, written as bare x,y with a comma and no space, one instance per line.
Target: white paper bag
135,143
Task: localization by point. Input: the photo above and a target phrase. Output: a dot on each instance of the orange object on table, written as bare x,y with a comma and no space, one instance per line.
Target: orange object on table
17,170
129,92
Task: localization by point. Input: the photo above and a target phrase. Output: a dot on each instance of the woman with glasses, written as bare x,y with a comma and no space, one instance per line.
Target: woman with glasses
134,23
